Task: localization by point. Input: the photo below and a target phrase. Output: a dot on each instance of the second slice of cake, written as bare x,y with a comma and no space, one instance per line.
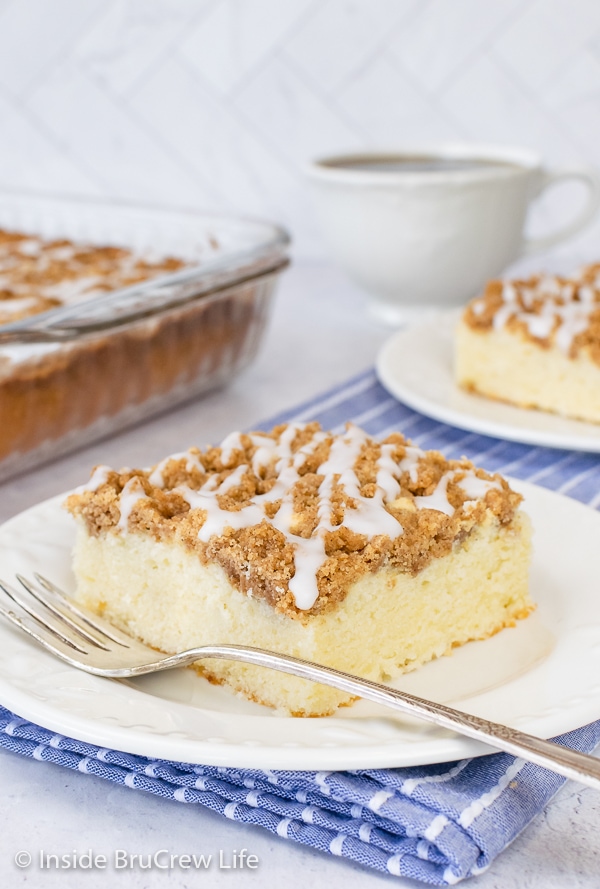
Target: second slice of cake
372,557
535,343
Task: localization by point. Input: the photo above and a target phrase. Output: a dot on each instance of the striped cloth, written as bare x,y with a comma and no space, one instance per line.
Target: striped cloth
438,824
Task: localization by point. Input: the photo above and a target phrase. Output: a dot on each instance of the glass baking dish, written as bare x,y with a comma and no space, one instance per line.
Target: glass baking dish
82,371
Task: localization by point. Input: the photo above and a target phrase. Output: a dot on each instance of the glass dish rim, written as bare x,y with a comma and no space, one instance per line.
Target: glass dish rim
229,269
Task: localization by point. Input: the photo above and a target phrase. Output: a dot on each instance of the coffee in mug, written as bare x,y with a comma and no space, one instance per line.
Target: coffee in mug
425,228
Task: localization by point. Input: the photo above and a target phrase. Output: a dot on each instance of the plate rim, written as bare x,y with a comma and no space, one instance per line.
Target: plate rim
404,392
437,746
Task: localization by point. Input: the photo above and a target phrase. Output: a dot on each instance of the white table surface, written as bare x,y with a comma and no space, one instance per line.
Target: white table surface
320,334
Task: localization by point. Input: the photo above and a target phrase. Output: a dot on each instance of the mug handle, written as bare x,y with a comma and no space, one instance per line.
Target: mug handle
591,179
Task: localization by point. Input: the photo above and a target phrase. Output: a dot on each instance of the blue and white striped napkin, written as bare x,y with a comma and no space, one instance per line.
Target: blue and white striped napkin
438,824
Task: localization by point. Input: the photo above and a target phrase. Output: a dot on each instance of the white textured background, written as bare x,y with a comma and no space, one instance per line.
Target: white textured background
217,103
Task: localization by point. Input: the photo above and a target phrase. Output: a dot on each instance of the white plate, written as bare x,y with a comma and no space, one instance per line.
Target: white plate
542,676
416,365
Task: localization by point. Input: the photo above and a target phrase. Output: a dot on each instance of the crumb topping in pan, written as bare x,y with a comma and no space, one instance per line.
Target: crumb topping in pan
296,515
37,274
546,309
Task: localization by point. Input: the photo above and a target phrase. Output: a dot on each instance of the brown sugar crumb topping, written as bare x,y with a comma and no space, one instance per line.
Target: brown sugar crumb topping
296,515
544,309
37,274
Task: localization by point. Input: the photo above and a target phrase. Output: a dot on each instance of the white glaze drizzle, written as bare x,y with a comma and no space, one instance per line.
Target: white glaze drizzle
438,499
234,480
16,306
410,462
551,286
229,445
98,478
131,494
565,310
31,247
540,326
475,488
156,478
368,516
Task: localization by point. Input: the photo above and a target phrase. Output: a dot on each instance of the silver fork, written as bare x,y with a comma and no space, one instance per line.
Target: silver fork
90,643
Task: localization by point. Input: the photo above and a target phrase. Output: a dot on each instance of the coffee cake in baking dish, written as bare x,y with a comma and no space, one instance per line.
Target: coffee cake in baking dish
140,311
372,557
535,343
38,274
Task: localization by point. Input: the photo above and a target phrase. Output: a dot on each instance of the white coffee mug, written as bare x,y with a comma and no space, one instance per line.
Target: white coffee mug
425,227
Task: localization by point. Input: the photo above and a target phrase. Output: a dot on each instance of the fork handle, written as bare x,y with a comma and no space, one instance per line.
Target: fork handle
563,761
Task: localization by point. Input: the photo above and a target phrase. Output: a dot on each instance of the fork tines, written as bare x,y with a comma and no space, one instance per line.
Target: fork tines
43,611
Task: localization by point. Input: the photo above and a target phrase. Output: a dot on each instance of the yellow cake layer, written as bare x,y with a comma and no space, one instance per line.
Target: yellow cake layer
388,623
505,365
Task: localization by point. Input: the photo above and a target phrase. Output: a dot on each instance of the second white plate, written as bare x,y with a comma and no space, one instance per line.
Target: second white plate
416,366
543,676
